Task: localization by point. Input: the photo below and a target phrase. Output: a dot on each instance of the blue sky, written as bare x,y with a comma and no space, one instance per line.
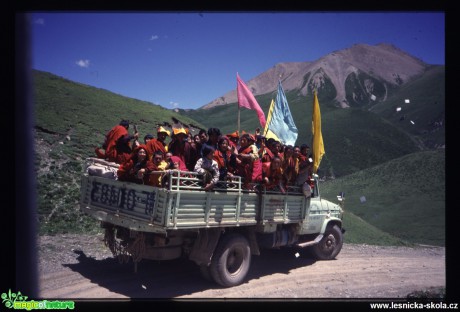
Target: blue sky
186,60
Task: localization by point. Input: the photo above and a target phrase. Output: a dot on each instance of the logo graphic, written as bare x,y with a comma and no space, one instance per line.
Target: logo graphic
10,298
19,301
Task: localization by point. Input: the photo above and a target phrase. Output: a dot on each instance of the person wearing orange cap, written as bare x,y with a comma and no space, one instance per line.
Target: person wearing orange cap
159,143
234,138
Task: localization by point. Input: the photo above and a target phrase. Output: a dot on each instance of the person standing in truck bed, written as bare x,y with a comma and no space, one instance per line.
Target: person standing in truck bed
117,145
180,147
159,143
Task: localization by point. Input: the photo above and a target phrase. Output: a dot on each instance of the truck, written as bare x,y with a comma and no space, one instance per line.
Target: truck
219,230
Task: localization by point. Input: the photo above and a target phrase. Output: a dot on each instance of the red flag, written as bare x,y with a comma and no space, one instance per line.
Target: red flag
247,99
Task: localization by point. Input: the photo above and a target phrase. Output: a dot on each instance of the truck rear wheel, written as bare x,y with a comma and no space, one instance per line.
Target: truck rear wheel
231,260
330,245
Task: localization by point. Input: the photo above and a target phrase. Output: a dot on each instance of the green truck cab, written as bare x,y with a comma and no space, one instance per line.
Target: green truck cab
219,230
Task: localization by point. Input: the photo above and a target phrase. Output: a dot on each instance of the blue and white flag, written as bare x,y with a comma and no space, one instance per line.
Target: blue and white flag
280,124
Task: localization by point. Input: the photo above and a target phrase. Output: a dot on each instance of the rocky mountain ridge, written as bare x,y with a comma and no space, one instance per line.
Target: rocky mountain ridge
384,62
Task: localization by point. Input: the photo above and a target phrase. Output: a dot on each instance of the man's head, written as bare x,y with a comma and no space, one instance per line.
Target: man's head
203,136
124,123
147,138
162,133
304,149
157,157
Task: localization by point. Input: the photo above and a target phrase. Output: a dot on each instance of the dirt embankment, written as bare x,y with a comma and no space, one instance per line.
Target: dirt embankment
80,266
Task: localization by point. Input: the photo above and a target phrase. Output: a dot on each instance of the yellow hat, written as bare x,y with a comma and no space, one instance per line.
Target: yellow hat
161,129
179,130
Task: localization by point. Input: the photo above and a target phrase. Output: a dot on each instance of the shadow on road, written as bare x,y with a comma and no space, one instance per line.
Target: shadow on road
174,278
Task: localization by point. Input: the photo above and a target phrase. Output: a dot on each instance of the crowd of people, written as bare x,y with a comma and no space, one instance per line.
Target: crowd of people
211,154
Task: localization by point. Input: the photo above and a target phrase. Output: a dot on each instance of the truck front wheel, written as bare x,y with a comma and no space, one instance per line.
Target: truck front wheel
330,245
231,260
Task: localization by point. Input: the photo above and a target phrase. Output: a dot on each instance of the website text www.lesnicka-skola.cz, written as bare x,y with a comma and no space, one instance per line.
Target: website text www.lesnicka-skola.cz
414,305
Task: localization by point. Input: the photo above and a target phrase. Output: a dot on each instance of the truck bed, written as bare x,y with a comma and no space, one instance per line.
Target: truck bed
185,205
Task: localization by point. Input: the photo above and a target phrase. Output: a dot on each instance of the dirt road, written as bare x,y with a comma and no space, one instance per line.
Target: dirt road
80,266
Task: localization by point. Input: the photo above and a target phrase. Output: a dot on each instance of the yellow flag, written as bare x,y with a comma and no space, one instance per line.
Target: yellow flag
318,145
267,132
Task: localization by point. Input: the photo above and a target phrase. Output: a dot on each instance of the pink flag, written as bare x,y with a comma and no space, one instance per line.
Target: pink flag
247,99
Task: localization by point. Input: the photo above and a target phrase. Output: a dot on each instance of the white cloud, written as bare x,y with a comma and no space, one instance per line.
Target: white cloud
39,21
174,104
83,63
153,37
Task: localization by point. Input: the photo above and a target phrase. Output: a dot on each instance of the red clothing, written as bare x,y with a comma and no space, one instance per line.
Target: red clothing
153,179
113,152
182,166
154,145
267,156
184,151
275,177
129,168
249,169
226,162
289,169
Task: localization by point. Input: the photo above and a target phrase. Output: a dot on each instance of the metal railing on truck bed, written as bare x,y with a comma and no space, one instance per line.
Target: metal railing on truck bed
183,204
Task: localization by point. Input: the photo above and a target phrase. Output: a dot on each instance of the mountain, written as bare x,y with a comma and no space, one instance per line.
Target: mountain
377,68
377,103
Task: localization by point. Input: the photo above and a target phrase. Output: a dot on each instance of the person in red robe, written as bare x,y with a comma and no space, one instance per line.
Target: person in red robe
135,168
180,147
117,144
248,164
158,144
273,177
225,158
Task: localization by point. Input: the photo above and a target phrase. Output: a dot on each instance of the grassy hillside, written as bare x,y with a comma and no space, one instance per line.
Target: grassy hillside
358,231
424,115
86,113
71,120
404,197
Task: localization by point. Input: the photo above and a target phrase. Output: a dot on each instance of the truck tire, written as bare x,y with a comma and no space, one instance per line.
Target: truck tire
330,245
231,260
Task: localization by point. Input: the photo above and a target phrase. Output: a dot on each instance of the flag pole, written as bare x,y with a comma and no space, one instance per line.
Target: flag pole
237,102
271,108
312,118
238,120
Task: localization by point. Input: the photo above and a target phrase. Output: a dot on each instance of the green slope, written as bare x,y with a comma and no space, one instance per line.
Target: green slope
424,115
404,197
71,119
